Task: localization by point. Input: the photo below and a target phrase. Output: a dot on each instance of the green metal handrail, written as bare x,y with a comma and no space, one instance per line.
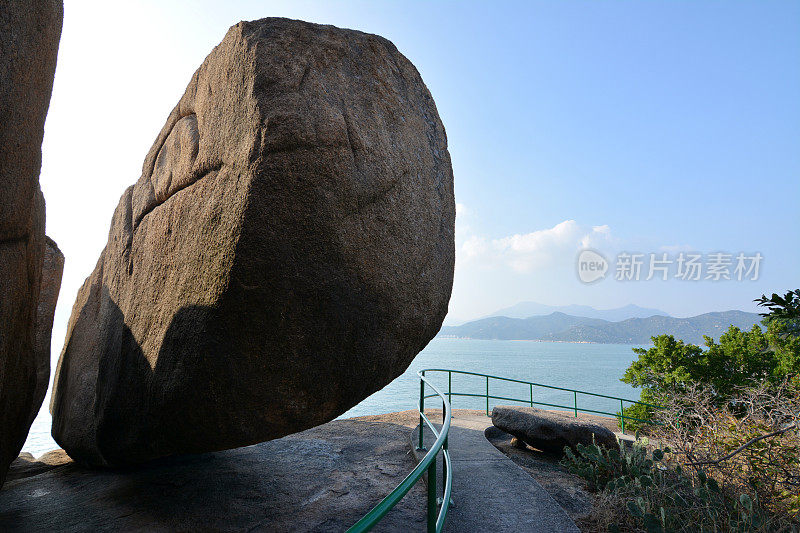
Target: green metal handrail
574,407
436,520
427,464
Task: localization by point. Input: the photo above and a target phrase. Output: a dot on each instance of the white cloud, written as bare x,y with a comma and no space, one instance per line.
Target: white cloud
537,249
474,246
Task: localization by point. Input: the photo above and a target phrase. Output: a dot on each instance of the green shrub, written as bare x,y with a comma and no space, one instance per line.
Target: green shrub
740,359
640,490
730,467
729,421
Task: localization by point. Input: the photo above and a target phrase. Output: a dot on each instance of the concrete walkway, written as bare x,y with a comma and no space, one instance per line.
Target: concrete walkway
490,492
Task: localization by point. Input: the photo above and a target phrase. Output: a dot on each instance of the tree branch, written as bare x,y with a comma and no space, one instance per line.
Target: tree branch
747,444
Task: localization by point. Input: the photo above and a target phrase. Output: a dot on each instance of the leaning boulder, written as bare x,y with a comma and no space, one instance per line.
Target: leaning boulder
29,35
49,287
550,431
287,251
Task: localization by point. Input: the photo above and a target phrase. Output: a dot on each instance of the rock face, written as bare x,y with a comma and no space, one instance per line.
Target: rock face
26,465
29,35
287,251
550,431
52,271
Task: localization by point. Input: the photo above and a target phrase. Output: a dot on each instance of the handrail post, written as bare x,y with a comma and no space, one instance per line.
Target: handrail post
622,416
421,445
432,507
444,462
531,394
450,387
487,396
576,403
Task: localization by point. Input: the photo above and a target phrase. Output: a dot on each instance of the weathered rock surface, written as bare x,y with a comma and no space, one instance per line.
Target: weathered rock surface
29,35
52,271
26,465
320,480
550,431
287,251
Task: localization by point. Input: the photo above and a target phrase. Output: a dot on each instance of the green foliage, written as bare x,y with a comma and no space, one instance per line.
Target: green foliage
740,359
731,410
640,411
607,467
783,327
783,309
647,492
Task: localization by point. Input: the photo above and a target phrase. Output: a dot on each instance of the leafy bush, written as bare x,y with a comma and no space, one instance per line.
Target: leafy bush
642,491
740,359
729,422
784,310
750,444
720,468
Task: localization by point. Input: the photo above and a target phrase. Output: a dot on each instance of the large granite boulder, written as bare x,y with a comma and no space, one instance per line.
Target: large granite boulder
287,251
29,35
550,431
49,287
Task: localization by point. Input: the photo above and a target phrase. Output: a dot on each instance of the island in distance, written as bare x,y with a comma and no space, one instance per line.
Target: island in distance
562,327
529,309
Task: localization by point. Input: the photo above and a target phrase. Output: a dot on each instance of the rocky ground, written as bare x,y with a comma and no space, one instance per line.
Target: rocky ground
323,479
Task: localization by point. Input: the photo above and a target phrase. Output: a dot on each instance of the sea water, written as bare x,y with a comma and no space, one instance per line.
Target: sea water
588,367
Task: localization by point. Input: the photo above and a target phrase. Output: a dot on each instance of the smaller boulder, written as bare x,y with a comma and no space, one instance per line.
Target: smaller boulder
550,431
26,465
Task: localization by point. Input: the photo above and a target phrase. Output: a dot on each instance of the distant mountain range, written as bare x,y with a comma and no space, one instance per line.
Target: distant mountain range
562,327
529,309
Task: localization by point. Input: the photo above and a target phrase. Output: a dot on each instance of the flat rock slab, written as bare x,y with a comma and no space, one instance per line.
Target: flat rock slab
551,431
323,479
490,492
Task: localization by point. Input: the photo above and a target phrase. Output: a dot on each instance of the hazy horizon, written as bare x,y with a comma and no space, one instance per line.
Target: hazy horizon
451,321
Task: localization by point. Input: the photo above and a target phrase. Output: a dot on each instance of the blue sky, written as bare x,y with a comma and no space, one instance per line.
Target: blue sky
641,126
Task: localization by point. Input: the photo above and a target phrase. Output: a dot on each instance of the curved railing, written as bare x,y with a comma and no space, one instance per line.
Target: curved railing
427,464
438,507
574,407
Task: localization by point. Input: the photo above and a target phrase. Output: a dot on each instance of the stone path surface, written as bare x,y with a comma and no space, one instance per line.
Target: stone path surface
320,480
490,492
569,491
